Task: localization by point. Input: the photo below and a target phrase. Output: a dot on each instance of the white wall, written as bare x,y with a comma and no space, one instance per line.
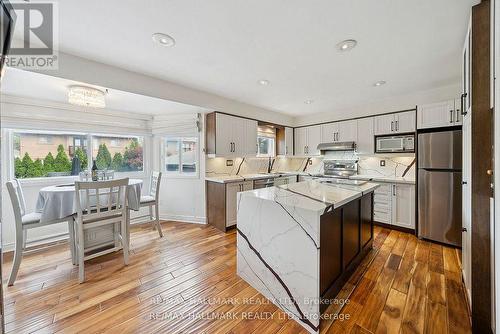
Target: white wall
22,113
396,103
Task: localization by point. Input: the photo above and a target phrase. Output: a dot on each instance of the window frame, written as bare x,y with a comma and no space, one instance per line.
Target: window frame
180,174
272,149
8,134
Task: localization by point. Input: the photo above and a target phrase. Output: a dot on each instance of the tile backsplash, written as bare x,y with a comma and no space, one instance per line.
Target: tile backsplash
367,165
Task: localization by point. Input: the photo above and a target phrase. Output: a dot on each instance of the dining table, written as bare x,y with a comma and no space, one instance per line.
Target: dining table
57,202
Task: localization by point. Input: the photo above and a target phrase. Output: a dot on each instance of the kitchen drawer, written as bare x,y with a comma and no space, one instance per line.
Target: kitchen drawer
382,217
384,189
381,207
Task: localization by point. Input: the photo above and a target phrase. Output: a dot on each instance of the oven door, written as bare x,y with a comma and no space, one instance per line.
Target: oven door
389,144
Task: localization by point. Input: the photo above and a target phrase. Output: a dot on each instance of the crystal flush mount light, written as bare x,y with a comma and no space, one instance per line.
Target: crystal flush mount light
86,96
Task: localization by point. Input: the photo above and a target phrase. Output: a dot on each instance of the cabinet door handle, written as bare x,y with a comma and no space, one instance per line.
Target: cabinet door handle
392,126
462,104
464,229
458,116
451,116
394,190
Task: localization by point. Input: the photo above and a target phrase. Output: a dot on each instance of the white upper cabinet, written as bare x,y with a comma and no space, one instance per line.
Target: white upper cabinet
384,124
224,134
366,139
288,141
439,114
405,122
235,136
348,131
329,132
249,146
395,123
300,141
307,140
313,139
339,132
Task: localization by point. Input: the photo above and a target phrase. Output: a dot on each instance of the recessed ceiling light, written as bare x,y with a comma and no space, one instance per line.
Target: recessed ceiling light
308,101
379,83
163,39
347,45
264,82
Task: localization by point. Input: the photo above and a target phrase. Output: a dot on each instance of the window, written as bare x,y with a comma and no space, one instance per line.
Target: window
265,146
46,154
121,154
181,155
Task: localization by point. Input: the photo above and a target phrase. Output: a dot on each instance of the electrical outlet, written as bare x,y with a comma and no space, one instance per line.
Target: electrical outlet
382,163
229,163
310,162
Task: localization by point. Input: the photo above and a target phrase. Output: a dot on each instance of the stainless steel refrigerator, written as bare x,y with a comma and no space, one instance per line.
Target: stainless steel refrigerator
440,186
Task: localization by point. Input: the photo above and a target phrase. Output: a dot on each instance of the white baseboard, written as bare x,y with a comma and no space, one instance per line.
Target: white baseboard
184,219
49,239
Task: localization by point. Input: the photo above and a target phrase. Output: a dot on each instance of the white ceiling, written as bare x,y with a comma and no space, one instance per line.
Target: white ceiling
44,87
226,46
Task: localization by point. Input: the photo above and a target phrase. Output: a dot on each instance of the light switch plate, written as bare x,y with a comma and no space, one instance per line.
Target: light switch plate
229,163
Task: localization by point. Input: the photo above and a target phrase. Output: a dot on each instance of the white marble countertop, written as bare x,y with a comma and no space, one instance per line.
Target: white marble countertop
247,177
388,179
313,195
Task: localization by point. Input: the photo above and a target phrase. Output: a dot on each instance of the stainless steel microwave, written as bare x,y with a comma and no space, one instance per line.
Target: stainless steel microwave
395,144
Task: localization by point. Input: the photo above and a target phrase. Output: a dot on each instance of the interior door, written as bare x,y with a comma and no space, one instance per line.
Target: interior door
466,203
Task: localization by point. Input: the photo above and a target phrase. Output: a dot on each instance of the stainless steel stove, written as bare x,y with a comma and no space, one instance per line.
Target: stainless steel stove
340,168
339,172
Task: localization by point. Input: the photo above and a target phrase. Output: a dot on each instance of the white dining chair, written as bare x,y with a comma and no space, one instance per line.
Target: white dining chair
25,221
151,200
99,204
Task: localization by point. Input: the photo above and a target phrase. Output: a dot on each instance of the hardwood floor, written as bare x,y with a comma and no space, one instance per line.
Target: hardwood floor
405,285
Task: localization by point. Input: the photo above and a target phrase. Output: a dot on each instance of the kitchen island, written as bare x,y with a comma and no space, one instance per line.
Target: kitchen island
298,244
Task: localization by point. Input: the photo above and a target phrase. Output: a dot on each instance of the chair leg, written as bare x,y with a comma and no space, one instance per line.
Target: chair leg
18,254
157,218
71,232
125,241
127,232
25,238
81,254
151,212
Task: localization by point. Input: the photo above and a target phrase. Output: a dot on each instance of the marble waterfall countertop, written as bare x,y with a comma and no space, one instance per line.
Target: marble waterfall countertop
278,242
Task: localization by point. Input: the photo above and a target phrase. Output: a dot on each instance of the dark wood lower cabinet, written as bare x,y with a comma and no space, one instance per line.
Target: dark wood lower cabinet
346,236
331,248
350,232
366,219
